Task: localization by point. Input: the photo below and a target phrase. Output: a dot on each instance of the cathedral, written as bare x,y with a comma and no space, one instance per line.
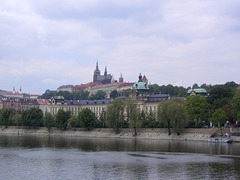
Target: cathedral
102,79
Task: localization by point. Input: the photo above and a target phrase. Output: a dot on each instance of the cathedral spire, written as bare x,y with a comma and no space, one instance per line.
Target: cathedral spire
97,69
105,73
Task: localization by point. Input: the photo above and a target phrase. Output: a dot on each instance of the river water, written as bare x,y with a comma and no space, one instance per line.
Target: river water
31,157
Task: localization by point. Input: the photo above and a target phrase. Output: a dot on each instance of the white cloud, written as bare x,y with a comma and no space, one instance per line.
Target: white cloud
47,44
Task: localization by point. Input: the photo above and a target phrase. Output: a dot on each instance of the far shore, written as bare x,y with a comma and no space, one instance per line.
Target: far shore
194,134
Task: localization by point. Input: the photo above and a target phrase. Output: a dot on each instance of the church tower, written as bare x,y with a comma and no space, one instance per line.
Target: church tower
121,78
96,73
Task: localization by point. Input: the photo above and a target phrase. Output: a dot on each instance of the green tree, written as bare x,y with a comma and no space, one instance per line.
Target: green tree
6,117
115,114
114,94
48,121
132,114
87,119
73,122
218,118
83,95
32,117
220,96
178,116
102,119
98,95
236,105
62,118
154,89
173,113
198,108
17,118
163,115
195,86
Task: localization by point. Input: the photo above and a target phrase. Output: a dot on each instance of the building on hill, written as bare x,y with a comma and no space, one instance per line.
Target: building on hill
69,88
84,87
101,79
120,87
201,91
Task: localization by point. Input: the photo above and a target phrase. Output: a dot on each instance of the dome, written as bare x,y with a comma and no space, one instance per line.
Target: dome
140,85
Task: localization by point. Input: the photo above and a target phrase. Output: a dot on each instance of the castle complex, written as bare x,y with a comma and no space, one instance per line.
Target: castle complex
138,90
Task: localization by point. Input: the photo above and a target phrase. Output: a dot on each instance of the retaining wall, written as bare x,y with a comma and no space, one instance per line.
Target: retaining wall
201,134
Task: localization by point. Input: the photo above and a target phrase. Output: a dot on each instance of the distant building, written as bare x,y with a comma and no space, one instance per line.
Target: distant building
43,105
11,103
34,96
69,88
201,91
146,102
101,79
28,104
84,87
76,106
120,87
12,94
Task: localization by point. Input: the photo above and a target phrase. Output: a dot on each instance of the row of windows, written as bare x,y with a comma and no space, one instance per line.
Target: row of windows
76,110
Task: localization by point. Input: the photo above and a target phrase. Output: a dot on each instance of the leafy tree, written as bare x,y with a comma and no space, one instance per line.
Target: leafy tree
73,121
197,107
162,114
115,114
218,118
220,96
231,84
83,95
102,119
195,86
32,117
236,105
154,89
178,116
169,89
132,114
6,117
62,118
17,118
173,113
87,119
48,121
98,95
114,94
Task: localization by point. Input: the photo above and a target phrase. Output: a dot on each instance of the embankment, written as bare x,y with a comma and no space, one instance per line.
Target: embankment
142,133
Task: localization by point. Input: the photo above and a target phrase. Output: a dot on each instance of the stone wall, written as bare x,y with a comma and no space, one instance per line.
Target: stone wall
142,133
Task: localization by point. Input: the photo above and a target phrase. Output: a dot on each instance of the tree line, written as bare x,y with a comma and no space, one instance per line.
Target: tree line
221,105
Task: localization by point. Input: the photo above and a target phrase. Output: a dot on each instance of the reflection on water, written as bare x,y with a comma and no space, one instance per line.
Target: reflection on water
32,157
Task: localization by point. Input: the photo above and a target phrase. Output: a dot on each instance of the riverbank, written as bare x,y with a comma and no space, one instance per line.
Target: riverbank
193,134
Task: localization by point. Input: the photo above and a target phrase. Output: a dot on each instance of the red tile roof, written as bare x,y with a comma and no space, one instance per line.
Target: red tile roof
144,78
43,101
91,84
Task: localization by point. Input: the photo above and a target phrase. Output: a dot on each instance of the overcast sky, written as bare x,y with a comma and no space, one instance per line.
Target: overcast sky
48,43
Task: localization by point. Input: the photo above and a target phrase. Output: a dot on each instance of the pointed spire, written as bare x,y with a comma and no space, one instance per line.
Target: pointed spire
97,69
121,78
97,66
105,73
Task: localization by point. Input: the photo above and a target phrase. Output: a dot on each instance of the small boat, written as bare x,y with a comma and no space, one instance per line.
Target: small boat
220,139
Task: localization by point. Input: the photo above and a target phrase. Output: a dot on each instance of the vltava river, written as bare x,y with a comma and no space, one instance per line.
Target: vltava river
31,157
